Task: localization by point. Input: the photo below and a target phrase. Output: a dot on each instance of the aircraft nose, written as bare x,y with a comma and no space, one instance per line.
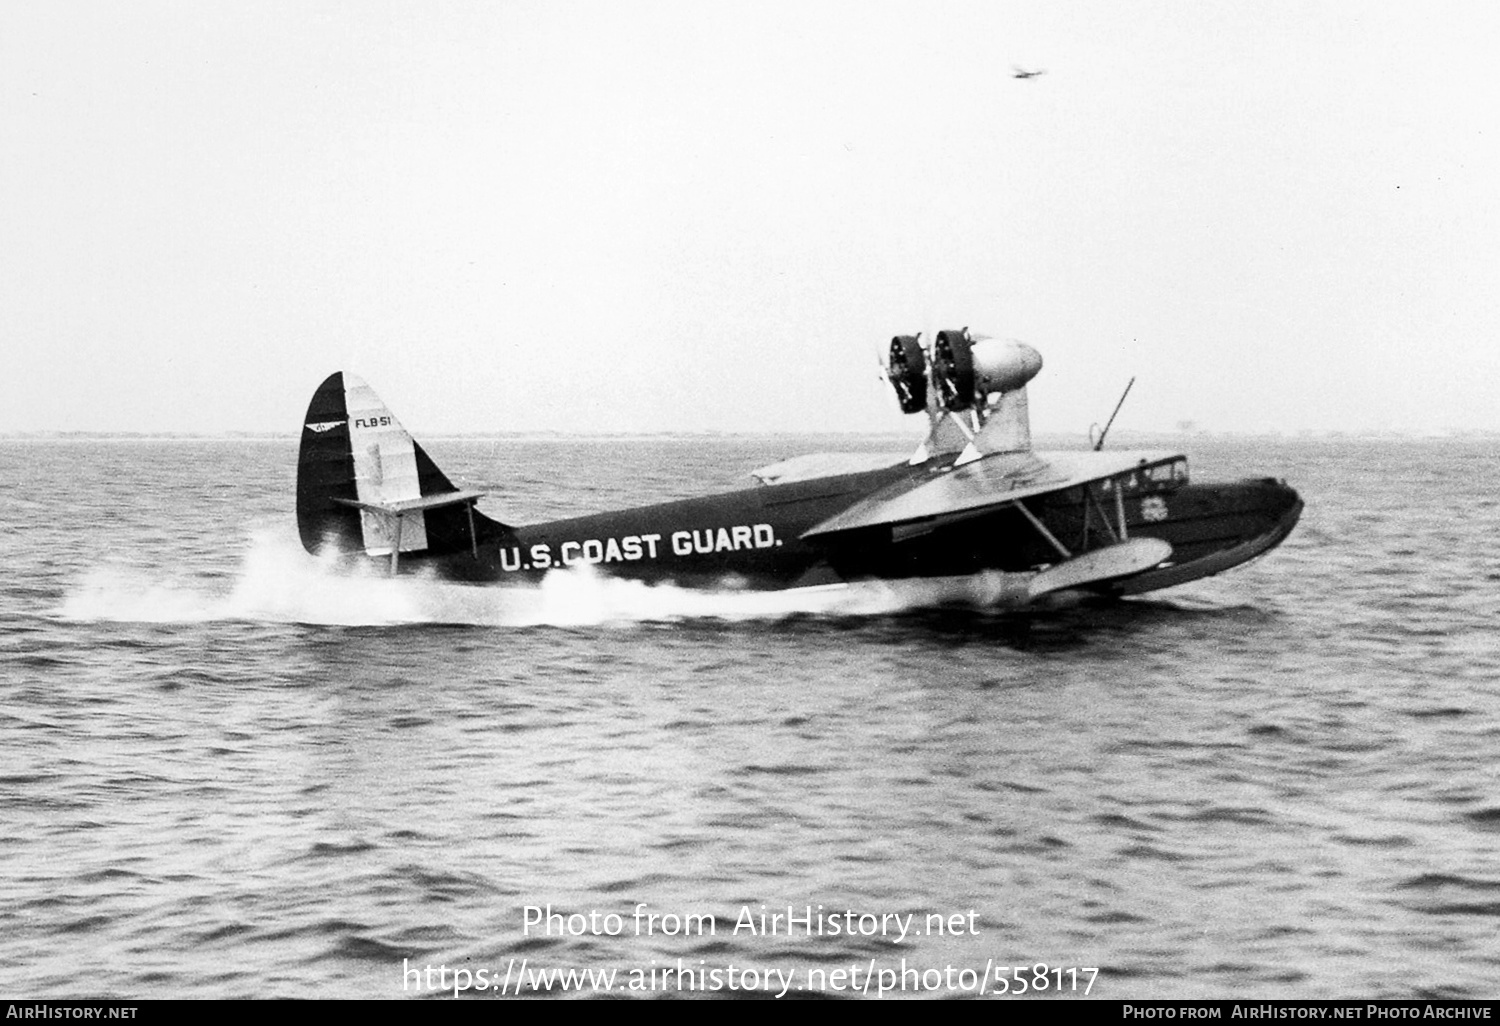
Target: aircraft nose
1282,501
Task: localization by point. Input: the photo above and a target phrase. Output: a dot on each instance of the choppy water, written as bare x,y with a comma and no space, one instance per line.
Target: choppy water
230,770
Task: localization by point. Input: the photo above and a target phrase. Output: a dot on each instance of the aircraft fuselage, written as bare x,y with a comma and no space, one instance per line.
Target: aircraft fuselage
753,537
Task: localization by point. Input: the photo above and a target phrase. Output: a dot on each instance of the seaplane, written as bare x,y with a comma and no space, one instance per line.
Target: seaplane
974,498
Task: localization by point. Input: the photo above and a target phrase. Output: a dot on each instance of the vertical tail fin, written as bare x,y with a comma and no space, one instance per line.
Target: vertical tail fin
361,482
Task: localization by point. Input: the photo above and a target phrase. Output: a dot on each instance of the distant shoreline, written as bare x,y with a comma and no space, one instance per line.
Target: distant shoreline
1047,440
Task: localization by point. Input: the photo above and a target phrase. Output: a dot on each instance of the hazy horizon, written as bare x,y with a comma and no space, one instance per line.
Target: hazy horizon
1118,438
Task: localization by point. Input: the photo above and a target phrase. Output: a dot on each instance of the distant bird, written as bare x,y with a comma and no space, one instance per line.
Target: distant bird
1023,73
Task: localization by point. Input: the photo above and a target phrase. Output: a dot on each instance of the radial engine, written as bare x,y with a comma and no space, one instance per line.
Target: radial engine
967,372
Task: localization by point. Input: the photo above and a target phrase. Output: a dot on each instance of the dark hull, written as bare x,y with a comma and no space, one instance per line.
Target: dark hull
752,538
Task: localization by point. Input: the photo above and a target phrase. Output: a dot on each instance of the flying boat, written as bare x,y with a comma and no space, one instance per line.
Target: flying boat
974,498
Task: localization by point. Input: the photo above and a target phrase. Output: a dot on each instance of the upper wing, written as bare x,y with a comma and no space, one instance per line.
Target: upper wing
985,484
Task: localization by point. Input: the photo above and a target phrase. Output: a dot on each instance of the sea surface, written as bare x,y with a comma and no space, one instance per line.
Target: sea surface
230,769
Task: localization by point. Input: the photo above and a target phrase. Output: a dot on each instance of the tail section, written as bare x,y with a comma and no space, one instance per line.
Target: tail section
363,484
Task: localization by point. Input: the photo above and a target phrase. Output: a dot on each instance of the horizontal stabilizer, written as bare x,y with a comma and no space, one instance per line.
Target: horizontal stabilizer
1113,561
425,502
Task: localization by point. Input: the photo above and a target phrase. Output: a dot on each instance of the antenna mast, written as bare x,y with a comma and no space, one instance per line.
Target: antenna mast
1100,443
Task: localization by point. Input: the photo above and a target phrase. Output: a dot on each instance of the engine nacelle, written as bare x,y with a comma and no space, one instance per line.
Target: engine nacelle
966,369
906,369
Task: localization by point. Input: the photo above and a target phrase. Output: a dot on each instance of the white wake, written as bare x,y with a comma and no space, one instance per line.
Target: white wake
278,582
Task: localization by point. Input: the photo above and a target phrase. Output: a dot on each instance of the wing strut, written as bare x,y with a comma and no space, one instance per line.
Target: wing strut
1122,558
1042,528
1091,505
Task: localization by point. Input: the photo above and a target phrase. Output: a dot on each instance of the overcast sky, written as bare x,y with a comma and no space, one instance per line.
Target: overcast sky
709,216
